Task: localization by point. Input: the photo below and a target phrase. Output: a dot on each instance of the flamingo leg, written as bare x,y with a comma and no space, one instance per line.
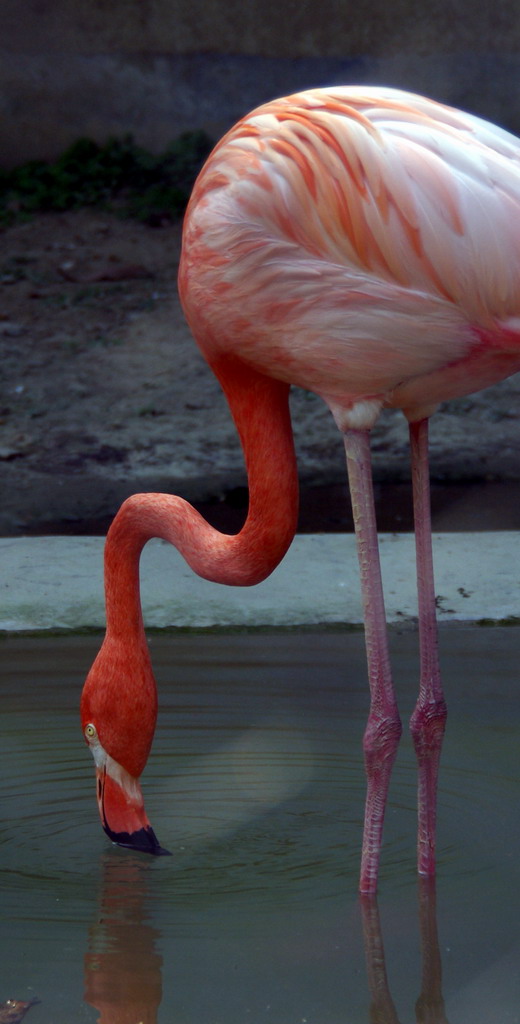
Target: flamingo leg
429,716
383,729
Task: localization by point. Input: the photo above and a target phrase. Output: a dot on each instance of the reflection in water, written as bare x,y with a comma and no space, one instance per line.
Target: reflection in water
122,967
258,784
429,1008
382,1009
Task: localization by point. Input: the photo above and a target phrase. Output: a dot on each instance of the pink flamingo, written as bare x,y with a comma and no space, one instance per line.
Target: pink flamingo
362,243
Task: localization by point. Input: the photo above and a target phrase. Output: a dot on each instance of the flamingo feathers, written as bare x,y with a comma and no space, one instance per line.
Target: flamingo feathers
358,213
385,192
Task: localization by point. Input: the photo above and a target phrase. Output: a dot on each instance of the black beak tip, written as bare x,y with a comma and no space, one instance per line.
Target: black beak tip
142,841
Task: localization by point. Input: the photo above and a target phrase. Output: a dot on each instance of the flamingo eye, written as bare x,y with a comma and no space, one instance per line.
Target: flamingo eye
90,732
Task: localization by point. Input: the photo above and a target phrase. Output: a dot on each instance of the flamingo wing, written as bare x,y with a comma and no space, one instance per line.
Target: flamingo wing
346,218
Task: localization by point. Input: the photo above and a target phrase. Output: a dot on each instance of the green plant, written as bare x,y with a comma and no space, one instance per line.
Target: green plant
118,176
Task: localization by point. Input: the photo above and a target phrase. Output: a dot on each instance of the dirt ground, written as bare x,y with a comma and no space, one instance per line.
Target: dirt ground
104,393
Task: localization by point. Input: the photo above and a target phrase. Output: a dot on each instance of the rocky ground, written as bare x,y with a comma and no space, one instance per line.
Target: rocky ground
104,393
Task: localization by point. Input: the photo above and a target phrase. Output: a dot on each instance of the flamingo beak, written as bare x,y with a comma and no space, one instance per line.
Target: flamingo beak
122,812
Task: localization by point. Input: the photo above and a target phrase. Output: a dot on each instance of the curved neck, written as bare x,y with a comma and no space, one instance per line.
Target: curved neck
260,408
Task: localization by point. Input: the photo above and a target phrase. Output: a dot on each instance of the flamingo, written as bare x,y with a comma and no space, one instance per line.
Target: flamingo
362,243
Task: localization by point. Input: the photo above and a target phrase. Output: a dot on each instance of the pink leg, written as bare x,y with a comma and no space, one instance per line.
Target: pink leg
429,717
383,729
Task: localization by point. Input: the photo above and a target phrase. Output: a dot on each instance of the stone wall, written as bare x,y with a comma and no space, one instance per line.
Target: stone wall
157,67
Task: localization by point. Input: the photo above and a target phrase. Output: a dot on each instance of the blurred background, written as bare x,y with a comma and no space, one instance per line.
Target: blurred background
108,108
158,67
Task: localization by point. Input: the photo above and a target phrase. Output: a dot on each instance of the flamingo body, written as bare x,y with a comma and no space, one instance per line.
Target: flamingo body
362,243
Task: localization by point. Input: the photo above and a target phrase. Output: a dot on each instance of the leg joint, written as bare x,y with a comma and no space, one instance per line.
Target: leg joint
381,739
427,724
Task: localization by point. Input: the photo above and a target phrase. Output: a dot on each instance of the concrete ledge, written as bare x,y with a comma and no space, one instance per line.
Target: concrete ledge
57,583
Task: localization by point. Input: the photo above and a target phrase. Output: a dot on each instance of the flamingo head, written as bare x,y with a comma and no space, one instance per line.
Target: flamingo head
118,714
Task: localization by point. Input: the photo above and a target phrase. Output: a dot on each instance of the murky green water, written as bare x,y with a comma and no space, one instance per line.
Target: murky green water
256,786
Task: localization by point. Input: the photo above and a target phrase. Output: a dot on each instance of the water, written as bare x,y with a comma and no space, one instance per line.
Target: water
256,786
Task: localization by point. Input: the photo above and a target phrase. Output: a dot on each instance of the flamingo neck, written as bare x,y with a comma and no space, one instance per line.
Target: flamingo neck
260,409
